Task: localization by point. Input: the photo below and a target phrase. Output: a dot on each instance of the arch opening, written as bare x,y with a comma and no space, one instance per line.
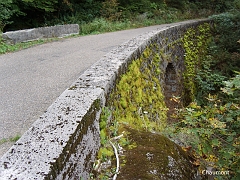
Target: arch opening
172,91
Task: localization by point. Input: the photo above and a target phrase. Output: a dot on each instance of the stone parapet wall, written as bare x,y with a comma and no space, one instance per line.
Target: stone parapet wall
64,141
40,33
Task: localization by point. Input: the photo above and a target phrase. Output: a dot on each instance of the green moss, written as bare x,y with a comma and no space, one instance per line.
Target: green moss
138,99
137,102
104,134
11,139
97,104
195,42
105,152
154,157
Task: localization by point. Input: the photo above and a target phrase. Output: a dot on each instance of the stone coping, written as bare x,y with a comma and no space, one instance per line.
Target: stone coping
40,33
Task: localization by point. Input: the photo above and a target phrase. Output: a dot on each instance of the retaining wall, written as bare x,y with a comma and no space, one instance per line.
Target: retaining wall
40,33
64,141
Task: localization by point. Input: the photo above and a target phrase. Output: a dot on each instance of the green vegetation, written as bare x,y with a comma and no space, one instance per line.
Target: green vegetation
136,103
214,130
210,124
138,100
195,43
11,139
6,48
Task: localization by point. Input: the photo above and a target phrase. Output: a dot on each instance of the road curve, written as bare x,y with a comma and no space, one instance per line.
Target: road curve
32,79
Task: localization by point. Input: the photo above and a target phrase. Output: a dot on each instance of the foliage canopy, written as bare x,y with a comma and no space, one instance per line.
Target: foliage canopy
19,14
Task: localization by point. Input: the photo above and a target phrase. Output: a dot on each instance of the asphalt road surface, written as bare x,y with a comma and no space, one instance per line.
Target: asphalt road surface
32,79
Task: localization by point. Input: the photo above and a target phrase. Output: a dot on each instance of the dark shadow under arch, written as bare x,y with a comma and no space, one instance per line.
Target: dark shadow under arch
172,90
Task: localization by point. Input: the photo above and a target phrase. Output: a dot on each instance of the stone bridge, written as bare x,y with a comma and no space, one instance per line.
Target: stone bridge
64,141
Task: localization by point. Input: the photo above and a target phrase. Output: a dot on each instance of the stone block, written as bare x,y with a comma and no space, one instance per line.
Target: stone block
40,33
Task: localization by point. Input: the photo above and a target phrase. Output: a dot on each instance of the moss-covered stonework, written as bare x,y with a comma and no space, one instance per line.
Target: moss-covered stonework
195,44
138,100
155,157
144,98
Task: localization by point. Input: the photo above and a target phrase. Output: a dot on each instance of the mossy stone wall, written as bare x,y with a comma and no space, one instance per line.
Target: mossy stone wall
161,78
152,86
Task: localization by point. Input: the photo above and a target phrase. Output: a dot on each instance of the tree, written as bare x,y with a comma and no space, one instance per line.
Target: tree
7,11
47,6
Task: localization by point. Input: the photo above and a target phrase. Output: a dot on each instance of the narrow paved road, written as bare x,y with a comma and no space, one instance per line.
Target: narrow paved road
31,79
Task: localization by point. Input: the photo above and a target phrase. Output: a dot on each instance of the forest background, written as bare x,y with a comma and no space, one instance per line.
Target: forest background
210,123
95,14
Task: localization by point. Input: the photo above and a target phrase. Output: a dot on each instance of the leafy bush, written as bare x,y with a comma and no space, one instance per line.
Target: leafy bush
100,25
110,10
232,88
208,83
227,31
217,6
215,128
5,13
7,8
180,4
225,51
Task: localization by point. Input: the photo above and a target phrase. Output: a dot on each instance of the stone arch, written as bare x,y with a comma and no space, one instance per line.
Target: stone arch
172,89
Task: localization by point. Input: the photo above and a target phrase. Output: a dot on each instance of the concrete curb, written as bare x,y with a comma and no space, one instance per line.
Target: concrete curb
40,33
63,142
